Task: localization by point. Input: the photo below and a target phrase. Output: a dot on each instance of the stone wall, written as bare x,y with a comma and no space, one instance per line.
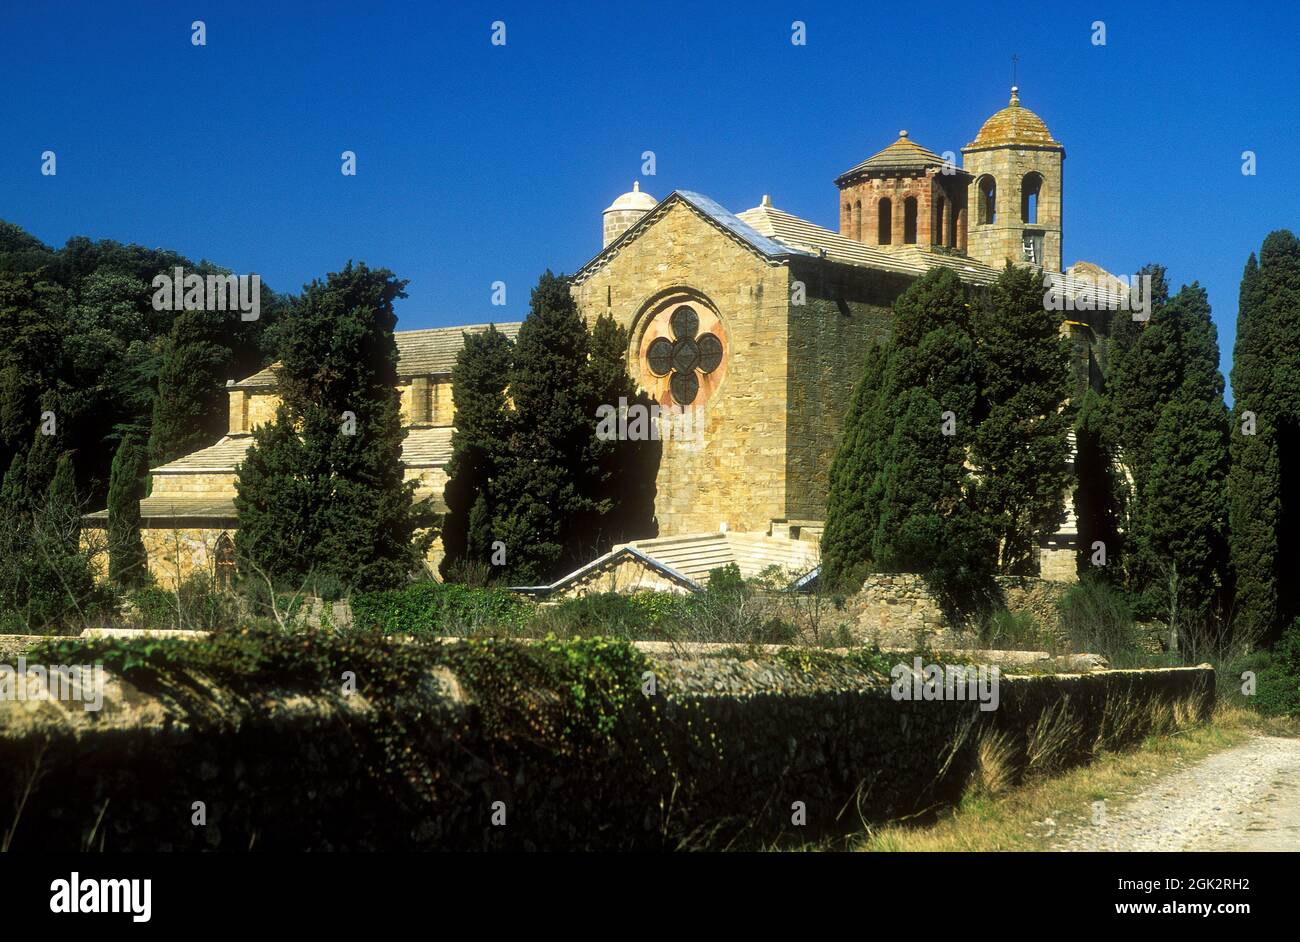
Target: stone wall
738,476
176,553
899,610
736,744
846,310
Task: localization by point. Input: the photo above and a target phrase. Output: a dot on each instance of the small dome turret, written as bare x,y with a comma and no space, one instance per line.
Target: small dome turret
623,213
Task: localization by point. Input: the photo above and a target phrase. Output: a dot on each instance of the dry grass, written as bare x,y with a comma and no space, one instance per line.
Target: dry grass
995,815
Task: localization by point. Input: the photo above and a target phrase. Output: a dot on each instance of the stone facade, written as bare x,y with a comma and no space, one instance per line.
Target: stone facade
738,477
755,326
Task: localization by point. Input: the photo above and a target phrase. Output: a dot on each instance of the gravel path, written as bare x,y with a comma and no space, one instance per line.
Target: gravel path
1247,798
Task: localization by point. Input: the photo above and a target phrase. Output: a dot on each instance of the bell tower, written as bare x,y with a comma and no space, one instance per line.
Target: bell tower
1015,193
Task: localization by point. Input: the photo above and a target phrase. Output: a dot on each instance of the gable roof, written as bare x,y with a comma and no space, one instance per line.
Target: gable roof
613,557
708,209
419,352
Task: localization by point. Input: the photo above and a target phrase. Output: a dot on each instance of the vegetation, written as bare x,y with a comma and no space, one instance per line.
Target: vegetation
533,492
1265,516
321,491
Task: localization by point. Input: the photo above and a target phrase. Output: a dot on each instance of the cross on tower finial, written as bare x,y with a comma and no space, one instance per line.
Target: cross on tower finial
1014,59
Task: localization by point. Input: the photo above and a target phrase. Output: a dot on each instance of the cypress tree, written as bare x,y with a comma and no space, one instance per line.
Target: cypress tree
548,484
1174,363
126,554
853,495
478,446
1265,426
623,486
918,509
1097,493
189,411
1021,446
321,490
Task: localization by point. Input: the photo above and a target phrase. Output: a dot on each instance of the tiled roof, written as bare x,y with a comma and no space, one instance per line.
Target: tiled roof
422,448
166,506
218,458
419,352
696,555
903,154
427,447
801,233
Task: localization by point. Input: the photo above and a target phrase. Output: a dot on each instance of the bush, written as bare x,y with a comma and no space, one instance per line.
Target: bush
156,608
1277,675
1098,619
433,609
1005,630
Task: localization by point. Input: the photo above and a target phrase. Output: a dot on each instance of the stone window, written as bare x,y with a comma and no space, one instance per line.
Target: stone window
909,220
857,220
988,201
224,553
940,209
1030,189
885,222
687,355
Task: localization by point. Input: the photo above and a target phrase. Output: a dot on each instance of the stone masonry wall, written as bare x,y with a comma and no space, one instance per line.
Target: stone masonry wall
738,476
736,744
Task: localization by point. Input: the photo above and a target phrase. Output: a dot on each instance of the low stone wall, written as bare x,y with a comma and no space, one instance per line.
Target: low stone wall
899,610
722,752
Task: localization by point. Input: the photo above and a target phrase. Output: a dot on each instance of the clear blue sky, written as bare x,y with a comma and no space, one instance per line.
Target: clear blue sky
479,163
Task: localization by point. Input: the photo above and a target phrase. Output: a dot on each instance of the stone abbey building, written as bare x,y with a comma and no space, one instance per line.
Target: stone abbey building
757,322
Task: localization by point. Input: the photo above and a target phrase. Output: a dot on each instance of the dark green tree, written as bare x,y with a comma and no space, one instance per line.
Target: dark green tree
623,487
321,490
189,412
919,508
479,445
1264,432
126,554
1020,448
854,492
1097,494
549,485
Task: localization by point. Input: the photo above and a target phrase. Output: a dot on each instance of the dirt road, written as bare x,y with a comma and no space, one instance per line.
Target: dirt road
1247,798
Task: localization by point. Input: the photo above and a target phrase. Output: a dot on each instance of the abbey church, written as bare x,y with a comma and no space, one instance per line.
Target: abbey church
758,321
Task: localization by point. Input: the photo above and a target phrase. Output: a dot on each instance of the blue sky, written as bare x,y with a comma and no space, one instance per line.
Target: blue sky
479,163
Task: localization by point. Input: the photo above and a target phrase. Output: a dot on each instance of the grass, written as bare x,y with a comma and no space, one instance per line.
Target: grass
995,816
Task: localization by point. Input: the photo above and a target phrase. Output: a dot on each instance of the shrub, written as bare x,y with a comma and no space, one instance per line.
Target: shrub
155,607
433,609
1098,619
1277,675
1005,630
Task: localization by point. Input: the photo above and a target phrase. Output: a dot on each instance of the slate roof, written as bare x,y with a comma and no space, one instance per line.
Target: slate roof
711,210
419,352
613,556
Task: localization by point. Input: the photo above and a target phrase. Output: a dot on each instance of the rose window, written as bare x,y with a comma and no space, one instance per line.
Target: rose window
687,355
